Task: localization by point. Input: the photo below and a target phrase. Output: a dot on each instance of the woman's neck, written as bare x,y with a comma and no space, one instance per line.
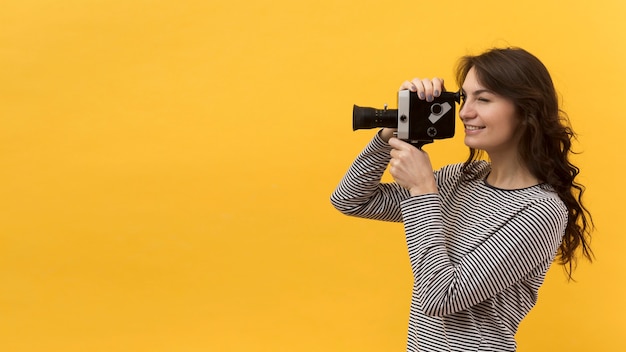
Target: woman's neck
510,173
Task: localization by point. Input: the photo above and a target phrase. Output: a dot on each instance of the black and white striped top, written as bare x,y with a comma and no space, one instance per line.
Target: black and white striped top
478,254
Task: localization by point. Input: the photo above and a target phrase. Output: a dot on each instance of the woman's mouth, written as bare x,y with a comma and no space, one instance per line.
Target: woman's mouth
473,128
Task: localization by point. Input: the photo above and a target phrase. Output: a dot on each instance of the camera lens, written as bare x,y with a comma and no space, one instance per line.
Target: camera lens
363,118
436,108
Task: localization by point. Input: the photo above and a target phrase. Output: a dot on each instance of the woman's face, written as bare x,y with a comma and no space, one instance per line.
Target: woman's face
490,120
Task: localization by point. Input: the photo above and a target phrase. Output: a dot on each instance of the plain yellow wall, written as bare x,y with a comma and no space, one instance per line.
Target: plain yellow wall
165,168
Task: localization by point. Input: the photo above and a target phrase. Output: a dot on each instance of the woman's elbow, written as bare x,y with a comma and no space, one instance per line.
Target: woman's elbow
341,204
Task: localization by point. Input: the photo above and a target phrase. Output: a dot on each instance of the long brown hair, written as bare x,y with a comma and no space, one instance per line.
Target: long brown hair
547,135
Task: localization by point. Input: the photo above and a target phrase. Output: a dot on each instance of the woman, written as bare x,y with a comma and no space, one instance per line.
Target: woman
481,235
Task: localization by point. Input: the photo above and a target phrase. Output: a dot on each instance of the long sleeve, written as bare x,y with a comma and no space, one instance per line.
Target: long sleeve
361,193
526,240
478,254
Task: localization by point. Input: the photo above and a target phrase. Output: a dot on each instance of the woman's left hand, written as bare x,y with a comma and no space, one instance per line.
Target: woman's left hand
411,168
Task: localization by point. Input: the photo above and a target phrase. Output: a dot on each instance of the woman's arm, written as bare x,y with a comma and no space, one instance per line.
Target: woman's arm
360,193
527,241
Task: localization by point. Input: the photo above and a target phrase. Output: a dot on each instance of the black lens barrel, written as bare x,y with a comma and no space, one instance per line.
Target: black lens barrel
365,118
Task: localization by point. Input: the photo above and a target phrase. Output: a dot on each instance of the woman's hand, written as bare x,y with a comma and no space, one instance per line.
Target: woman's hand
426,89
411,168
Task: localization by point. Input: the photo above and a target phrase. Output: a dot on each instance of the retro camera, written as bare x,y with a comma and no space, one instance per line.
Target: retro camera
417,121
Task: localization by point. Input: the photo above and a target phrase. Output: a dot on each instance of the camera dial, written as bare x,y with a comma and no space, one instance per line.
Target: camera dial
437,111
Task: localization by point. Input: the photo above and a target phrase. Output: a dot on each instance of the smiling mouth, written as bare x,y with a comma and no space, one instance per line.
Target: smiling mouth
473,128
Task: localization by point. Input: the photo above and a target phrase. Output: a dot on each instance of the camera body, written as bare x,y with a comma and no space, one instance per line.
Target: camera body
417,121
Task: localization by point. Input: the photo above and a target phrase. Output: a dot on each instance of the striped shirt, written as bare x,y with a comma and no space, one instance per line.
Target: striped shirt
478,253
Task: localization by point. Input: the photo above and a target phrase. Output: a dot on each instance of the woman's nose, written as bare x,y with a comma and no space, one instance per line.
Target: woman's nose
466,112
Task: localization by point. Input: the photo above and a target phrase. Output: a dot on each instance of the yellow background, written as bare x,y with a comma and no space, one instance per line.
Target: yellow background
165,168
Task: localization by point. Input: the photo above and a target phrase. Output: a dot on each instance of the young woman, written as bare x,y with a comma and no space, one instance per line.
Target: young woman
481,234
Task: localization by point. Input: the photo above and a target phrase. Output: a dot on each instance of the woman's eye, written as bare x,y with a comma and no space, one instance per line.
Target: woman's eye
485,100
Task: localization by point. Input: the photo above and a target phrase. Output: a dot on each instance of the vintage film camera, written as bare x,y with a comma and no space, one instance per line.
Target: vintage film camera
417,121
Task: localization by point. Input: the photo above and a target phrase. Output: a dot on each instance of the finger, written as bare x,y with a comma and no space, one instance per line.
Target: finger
394,154
408,85
428,89
395,143
398,144
393,171
419,88
437,86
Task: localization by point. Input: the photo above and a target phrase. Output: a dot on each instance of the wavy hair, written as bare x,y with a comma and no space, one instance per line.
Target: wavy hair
547,135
